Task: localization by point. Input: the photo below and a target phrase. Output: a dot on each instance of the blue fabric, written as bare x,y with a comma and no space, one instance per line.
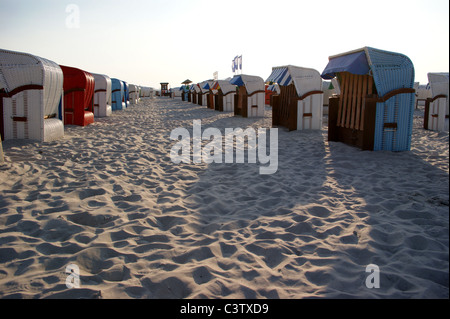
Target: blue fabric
125,93
280,76
237,80
355,63
116,97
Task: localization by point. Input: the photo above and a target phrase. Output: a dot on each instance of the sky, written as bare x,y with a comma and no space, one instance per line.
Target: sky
154,41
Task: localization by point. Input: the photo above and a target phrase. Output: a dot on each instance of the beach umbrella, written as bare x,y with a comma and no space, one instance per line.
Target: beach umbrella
186,81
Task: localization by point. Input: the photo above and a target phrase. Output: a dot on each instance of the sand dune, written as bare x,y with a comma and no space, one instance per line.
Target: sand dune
108,198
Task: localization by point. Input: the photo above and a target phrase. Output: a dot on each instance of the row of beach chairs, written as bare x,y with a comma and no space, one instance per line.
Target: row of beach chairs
38,96
372,108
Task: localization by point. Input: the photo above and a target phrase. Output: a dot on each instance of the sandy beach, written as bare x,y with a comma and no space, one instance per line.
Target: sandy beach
108,199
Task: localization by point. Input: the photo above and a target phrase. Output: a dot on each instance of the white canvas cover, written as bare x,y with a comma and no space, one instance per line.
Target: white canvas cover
439,109
304,79
102,95
38,108
252,83
225,86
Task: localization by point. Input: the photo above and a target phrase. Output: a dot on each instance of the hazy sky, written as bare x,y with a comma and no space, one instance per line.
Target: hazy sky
148,42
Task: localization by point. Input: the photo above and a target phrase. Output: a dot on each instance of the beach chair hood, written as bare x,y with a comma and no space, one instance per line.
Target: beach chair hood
390,70
251,82
304,79
224,85
439,83
18,69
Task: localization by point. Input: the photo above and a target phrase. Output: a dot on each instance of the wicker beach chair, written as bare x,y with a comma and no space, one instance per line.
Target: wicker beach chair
299,105
31,91
223,93
117,95
78,92
436,107
250,98
374,110
133,93
125,96
102,95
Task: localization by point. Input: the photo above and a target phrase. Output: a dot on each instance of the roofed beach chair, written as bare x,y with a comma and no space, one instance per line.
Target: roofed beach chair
299,105
78,92
193,93
102,95
250,98
117,95
133,93
436,107
374,110
125,96
224,93
31,91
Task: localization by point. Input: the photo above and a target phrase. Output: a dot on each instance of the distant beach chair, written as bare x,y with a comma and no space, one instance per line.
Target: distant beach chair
117,95
102,95
374,110
146,92
125,96
250,98
184,93
436,115
199,94
223,93
299,105
31,90
208,96
423,92
193,93
203,94
177,93
133,93
78,92
271,91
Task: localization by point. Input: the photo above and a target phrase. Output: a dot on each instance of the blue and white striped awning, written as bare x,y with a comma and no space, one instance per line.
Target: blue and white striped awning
280,75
